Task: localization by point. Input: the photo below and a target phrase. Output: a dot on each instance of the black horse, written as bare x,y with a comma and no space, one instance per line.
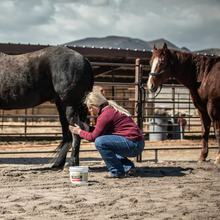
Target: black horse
56,74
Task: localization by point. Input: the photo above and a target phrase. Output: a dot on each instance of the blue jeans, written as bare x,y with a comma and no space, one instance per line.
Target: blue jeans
115,149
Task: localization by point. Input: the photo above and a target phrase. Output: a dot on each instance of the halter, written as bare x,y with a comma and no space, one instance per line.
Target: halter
160,73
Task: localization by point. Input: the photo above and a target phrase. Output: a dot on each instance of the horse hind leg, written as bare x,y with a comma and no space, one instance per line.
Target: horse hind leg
213,111
217,135
206,122
76,116
69,115
64,146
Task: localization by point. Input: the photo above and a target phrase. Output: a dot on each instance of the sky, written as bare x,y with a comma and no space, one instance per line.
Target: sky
194,24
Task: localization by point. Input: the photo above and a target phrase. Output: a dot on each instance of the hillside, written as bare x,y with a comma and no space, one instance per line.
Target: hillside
132,44
122,42
210,51
114,42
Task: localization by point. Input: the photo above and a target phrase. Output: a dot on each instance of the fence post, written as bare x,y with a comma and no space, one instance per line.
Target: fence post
138,98
136,91
189,112
3,113
113,80
25,122
173,100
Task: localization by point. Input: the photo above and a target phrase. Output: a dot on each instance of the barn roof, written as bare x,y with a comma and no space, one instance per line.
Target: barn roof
124,60
120,57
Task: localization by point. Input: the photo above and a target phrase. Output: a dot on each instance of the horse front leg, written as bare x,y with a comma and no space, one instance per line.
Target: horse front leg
74,159
206,122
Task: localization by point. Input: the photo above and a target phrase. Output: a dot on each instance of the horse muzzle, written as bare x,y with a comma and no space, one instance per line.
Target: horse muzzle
151,86
153,89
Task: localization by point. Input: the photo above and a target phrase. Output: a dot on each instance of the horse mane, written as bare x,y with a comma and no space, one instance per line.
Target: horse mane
199,63
204,64
182,59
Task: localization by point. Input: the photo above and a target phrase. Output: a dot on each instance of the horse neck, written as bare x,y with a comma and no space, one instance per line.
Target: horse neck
184,69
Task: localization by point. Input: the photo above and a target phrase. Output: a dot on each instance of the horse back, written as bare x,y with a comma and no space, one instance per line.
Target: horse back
30,79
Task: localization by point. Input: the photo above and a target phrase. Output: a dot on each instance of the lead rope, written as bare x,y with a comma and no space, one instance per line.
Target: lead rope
141,91
161,86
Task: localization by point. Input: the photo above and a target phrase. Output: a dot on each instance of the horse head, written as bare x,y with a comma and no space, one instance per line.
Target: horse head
99,89
160,68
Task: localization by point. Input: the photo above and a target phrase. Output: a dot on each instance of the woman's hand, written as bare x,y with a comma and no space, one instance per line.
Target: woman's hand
75,129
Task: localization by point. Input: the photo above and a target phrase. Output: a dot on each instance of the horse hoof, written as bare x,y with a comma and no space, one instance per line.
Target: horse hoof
201,160
56,168
66,169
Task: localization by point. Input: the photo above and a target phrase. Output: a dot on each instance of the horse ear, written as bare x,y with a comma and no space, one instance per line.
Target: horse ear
154,47
164,47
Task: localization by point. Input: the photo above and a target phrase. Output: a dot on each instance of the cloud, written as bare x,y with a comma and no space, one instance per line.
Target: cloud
22,14
194,24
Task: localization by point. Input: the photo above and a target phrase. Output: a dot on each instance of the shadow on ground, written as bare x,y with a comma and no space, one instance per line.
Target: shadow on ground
40,160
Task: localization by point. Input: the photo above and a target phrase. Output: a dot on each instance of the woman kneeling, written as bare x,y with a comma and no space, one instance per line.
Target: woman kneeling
116,135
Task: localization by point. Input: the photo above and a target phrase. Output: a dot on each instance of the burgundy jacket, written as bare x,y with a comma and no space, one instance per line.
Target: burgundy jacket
112,122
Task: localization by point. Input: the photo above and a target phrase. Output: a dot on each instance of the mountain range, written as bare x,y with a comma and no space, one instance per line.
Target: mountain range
133,44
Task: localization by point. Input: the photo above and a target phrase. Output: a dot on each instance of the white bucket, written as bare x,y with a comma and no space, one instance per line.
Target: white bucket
79,174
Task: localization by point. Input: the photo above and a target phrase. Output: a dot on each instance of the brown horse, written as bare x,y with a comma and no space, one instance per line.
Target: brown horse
201,75
56,74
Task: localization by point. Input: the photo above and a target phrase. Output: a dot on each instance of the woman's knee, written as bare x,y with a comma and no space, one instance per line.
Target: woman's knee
99,141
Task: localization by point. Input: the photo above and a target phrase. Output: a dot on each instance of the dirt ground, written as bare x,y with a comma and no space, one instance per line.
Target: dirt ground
177,187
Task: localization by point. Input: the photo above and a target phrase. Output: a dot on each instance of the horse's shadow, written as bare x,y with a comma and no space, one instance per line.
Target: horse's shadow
152,171
40,160
162,172
27,160
142,172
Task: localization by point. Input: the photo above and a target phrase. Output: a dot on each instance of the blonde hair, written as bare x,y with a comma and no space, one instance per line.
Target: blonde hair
95,98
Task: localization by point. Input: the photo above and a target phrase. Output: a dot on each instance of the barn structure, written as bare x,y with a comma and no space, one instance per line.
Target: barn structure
123,74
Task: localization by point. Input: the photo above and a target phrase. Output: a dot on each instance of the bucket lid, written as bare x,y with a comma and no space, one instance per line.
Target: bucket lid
79,169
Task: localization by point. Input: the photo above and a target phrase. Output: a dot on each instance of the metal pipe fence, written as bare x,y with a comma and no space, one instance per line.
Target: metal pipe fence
169,104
